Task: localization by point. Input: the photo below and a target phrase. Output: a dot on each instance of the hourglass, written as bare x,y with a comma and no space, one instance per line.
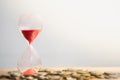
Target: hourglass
30,26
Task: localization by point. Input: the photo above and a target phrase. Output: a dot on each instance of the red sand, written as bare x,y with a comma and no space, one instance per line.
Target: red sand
30,71
30,35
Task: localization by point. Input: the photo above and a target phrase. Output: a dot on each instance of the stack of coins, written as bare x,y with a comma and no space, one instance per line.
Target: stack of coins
65,74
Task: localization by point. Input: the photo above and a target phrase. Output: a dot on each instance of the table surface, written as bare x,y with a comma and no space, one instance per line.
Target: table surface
102,69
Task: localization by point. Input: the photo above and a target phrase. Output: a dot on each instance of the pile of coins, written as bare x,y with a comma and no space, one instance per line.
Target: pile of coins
65,74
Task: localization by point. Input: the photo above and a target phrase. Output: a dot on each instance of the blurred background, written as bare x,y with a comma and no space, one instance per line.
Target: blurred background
75,33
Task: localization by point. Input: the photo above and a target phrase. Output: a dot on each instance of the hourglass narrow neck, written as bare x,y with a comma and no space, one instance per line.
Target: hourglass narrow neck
28,43
30,46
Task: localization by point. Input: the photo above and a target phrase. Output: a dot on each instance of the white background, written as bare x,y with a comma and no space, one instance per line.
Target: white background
76,32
